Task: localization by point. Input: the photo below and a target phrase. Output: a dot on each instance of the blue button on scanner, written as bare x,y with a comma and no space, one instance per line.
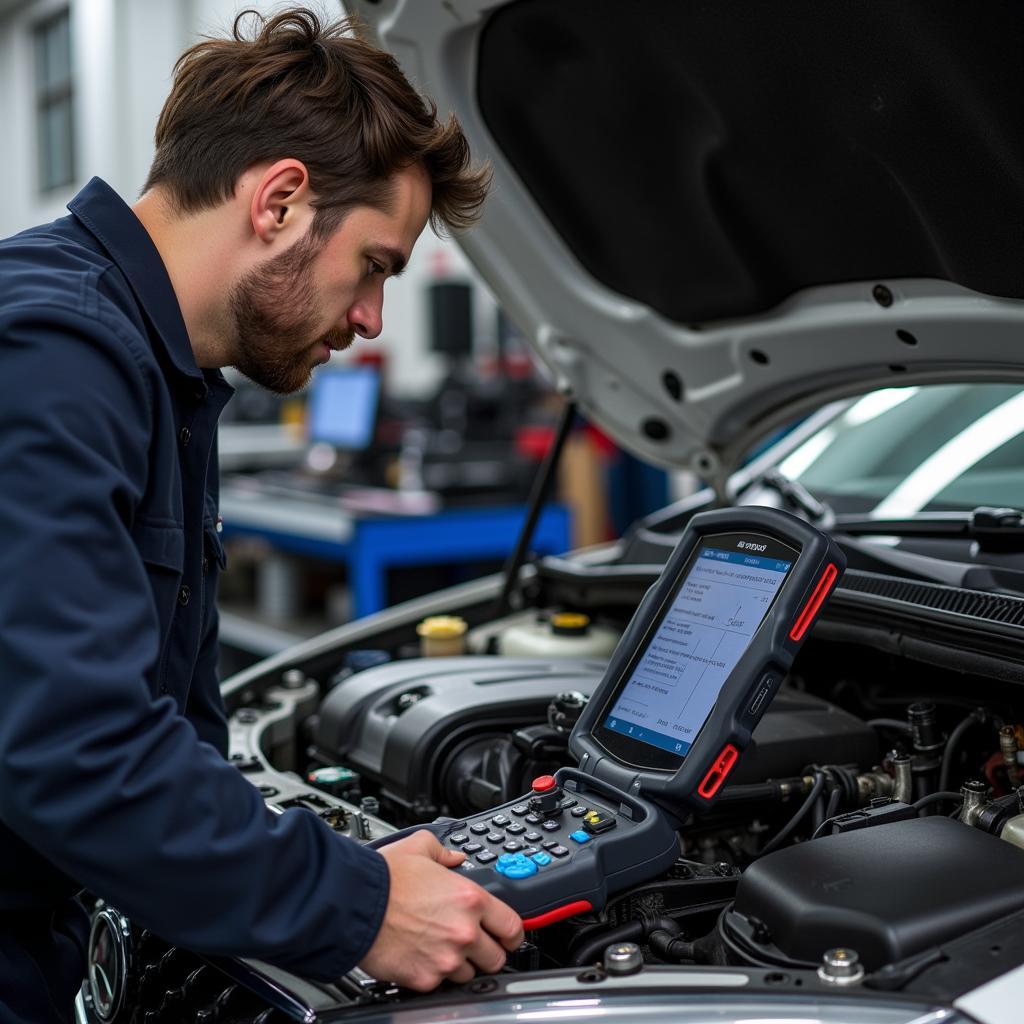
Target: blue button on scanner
523,870
541,859
515,865
580,836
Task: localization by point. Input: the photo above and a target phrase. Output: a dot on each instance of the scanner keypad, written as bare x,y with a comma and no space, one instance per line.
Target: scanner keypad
517,842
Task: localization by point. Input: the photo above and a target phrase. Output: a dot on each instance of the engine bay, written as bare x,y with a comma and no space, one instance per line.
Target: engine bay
454,736
871,839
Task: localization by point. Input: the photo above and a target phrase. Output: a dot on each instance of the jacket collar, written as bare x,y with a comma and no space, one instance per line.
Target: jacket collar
106,215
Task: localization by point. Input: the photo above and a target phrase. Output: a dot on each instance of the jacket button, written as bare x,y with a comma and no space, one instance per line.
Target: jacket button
184,436
183,595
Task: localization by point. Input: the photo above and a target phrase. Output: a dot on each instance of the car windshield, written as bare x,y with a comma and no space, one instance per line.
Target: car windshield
900,451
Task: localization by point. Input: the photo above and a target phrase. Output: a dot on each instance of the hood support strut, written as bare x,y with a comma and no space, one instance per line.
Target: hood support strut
538,498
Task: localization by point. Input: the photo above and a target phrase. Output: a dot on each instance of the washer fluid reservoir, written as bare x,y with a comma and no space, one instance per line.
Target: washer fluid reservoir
563,635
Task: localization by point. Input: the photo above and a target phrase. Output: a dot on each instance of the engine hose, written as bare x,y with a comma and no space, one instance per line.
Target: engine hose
848,777
773,789
845,789
670,947
833,802
756,791
640,928
801,813
934,798
977,717
841,784
888,723
593,950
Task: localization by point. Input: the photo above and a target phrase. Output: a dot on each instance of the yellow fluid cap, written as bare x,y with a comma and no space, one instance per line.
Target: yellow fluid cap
570,623
442,627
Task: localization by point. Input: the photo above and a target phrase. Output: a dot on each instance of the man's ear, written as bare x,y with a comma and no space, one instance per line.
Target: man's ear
280,206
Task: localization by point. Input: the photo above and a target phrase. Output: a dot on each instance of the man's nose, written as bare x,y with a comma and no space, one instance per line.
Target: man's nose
366,319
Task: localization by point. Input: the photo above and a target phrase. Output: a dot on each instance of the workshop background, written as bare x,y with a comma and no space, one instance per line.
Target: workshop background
407,463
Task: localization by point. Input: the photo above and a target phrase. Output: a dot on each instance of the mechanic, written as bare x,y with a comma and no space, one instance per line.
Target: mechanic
295,168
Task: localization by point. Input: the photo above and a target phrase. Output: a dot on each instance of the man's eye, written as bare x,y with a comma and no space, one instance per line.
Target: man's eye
376,268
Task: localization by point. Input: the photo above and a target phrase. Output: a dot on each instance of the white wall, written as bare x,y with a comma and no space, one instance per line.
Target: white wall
123,55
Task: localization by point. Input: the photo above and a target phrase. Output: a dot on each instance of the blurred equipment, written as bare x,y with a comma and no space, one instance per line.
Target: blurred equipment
451,317
343,407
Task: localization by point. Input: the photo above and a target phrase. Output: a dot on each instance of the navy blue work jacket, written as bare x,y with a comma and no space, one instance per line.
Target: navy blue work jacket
112,732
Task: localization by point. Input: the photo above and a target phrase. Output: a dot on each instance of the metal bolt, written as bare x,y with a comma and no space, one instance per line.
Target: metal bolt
408,700
370,805
294,678
881,295
623,958
841,967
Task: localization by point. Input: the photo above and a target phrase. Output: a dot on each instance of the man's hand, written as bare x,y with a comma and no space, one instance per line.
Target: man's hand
438,924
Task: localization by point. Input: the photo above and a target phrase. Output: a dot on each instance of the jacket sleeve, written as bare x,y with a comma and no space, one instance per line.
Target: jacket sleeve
107,782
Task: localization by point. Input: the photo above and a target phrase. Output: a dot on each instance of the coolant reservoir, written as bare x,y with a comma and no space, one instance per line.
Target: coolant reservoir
564,635
1013,831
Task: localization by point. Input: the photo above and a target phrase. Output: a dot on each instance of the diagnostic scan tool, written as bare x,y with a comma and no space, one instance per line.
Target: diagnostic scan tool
694,672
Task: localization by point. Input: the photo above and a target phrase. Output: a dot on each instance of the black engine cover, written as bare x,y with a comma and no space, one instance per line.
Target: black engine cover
399,724
887,892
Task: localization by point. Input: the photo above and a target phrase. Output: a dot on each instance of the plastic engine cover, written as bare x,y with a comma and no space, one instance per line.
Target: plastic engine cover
887,892
398,723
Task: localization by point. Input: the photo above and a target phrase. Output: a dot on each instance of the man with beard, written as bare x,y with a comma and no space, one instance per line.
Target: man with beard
294,170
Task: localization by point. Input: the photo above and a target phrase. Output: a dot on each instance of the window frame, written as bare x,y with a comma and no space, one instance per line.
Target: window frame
48,96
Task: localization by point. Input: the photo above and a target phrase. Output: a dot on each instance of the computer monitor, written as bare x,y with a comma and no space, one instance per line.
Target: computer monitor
342,407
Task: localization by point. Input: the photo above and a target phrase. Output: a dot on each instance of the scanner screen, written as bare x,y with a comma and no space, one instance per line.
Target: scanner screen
710,622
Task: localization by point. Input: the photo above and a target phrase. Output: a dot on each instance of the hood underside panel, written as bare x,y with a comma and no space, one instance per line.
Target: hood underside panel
711,159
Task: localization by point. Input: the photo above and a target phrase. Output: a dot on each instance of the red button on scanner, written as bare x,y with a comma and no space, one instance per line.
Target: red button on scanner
544,783
720,768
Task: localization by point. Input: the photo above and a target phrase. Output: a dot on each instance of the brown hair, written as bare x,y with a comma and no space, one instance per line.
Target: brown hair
299,88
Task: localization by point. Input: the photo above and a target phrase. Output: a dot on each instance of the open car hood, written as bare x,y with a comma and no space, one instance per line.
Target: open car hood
709,218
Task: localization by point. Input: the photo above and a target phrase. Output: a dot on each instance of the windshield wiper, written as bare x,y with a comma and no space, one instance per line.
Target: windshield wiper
797,498
995,529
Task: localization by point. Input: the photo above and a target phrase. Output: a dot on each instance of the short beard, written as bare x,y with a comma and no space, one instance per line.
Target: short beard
274,339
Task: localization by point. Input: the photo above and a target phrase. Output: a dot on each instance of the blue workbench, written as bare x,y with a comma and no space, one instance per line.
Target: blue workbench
370,545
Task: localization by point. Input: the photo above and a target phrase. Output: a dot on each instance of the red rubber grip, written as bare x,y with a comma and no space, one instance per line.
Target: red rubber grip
806,617
558,914
720,768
